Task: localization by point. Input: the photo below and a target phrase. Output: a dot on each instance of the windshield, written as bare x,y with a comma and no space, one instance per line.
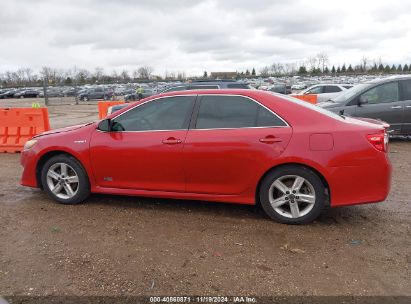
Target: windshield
347,94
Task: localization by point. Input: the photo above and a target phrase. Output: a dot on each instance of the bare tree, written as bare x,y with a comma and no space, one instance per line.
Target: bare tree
364,61
181,75
322,59
124,75
145,72
98,73
277,69
114,74
290,68
312,63
265,71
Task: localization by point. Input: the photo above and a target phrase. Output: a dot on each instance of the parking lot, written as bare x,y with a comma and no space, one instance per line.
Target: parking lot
136,246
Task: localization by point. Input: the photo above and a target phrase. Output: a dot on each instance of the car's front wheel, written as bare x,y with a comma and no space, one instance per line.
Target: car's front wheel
85,98
292,195
65,180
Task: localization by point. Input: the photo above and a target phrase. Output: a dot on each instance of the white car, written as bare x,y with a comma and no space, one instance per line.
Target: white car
327,91
298,86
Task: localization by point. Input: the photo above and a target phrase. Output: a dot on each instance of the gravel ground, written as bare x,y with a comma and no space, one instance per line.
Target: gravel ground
115,245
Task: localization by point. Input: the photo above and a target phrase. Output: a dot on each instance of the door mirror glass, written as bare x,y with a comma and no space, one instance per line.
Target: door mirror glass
104,125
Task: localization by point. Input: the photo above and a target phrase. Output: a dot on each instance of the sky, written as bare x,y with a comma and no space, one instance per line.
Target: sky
193,36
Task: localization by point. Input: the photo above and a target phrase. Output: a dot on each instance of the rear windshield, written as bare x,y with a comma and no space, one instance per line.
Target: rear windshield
309,106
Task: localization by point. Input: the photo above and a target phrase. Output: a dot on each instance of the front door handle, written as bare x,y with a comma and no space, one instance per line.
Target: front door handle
270,139
396,107
172,141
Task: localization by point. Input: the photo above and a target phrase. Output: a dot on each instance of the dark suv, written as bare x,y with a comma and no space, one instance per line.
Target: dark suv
95,93
386,99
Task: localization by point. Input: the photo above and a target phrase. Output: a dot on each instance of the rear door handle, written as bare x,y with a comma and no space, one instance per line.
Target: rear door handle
408,106
270,139
172,141
396,107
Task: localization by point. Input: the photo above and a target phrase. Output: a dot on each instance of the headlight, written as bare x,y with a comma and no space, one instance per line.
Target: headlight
29,144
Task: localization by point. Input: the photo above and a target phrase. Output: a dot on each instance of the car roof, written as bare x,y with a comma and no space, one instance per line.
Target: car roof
388,79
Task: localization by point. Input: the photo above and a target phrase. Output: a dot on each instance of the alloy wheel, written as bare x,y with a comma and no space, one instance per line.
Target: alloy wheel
62,180
292,196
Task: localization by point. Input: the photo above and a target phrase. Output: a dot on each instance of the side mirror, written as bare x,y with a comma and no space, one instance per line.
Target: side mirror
362,100
105,125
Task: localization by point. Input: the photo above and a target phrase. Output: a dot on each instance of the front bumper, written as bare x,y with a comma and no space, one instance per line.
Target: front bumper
28,160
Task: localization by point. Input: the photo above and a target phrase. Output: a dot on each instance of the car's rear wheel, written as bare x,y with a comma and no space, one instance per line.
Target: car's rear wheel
292,195
65,180
85,98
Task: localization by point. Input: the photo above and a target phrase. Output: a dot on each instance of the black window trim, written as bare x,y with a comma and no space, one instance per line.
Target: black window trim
188,122
197,107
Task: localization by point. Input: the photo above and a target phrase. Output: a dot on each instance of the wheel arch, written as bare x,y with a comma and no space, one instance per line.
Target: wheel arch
316,171
46,156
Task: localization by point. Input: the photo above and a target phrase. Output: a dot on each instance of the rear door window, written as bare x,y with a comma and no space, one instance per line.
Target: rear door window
220,112
332,89
405,86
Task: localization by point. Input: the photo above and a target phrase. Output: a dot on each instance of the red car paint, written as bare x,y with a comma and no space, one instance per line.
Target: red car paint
224,164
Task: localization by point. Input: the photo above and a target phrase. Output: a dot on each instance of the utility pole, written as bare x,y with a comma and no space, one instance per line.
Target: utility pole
46,97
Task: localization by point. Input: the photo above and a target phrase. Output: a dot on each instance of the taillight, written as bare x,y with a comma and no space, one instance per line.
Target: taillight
379,141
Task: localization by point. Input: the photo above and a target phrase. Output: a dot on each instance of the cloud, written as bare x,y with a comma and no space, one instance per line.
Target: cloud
193,36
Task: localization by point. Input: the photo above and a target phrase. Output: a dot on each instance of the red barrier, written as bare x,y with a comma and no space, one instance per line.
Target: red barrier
18,125
311,98
104,105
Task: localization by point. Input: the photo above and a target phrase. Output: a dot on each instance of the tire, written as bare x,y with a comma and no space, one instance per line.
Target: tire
51,178
300,207
85,98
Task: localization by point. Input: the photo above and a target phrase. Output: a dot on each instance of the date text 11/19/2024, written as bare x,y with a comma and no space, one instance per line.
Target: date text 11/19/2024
203,299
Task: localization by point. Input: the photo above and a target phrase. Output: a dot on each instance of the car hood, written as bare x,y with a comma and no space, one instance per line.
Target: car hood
62,130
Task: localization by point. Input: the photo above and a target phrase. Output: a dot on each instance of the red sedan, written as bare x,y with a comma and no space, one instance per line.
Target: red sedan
237,146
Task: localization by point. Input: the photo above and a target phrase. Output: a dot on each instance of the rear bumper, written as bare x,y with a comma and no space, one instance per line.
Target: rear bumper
368,183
